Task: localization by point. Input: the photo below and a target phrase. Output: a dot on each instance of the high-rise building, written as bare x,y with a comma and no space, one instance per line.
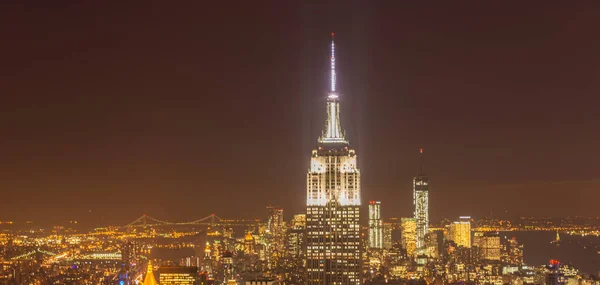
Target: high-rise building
409,235
375,225
299,221
432,244
207,262
553,275
489,245
275,236
296,248
226,266
460,232
275,223
421,205
513,252
178,275
249,243
295,236
190,261
477,238
333,242
387,235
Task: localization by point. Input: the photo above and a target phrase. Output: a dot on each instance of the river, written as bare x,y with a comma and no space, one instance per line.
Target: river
579,251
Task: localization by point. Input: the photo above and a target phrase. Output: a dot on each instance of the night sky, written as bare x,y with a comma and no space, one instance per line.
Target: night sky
180,109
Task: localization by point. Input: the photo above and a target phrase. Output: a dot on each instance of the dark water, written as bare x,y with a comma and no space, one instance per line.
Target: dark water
579,251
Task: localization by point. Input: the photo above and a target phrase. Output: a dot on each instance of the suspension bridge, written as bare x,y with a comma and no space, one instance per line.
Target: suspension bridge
36,253
211,220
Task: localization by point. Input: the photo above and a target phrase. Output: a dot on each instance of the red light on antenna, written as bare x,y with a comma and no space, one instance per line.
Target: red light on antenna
332,34
421,150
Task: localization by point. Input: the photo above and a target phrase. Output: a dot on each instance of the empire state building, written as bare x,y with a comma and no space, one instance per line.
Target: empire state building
333,247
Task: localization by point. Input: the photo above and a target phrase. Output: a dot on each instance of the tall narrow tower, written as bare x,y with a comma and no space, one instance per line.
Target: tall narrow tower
333,244
375,225
421,204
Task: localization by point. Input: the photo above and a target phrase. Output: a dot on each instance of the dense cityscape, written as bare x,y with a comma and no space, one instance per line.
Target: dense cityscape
340,239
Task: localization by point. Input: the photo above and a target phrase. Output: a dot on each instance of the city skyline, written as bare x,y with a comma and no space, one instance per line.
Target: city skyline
239,144
115,115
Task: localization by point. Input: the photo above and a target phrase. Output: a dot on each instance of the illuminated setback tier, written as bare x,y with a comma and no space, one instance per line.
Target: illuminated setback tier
333,175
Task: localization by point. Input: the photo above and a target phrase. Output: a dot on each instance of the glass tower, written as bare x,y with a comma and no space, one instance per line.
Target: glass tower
421,205
375,225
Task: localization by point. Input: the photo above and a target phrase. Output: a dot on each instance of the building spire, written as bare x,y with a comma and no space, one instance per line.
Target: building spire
333,129
332,90
150,280
421,157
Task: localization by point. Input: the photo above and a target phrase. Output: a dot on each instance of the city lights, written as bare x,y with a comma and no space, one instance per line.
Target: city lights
274,236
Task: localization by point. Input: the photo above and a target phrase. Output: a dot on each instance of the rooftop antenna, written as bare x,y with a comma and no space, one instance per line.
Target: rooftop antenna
421,157
332,87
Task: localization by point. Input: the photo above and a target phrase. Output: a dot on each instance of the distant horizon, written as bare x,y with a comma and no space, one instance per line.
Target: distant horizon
5,223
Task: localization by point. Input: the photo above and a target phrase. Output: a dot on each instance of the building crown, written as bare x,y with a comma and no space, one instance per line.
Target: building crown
333,132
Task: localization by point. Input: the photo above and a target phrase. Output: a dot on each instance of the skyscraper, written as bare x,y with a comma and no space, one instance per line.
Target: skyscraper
275,236
296,248
460,231
375,225
387,235
333,243
409,235
421,204
226,266
553,276
295,237
490,246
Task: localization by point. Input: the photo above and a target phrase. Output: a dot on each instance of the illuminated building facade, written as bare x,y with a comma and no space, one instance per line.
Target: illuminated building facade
375,225
421,205
249,243
275,224
460,232
275,236
432,243
299,221
333,242
409,235
295,237
512,252
387,235
489,245
226,266
207,262
296,248
177,275
477,237
553,275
